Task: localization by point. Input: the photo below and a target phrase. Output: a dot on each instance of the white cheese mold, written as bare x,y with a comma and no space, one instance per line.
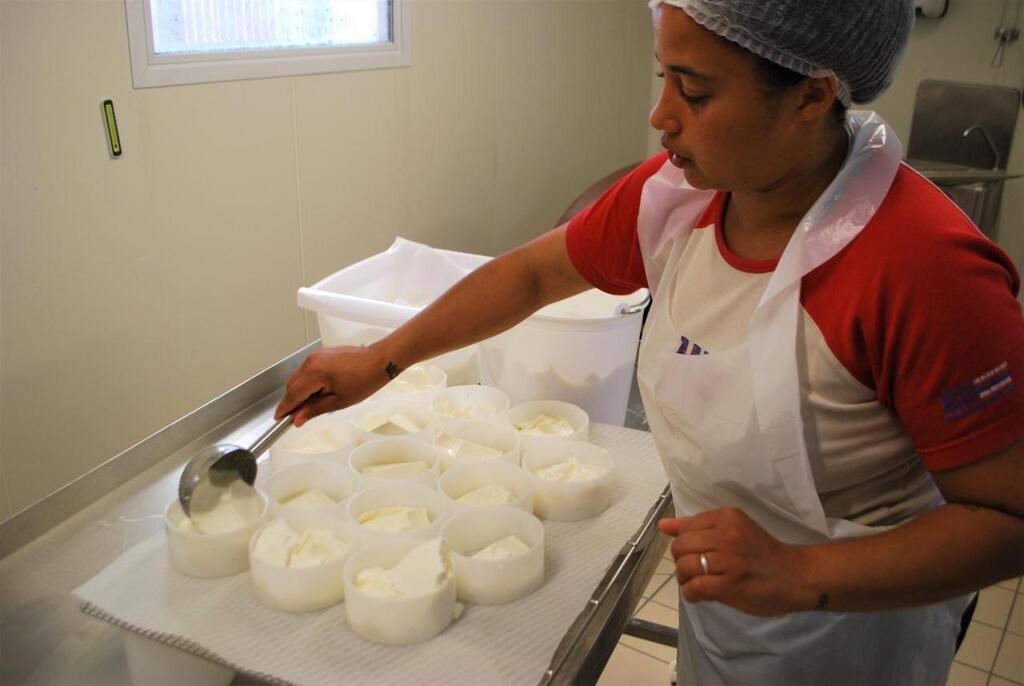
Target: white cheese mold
511,573
395,620
482,485
420,383
458,404
304,572
572,480
375,419
198,554
543,421
396,459
476,441
398,510
327,438
323,487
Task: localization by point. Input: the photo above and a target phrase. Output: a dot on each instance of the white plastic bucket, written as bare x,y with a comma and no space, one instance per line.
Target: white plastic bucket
580,350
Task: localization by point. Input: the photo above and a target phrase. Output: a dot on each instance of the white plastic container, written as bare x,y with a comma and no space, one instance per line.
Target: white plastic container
419,383
499,437
527,411
580,350
303,589
209,555
466,477
391,450
151,663
458,404
394,621
337,481
372,411
569,501
495,582
399,495
315,441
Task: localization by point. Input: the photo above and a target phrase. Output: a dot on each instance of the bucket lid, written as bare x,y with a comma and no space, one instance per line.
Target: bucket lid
592,306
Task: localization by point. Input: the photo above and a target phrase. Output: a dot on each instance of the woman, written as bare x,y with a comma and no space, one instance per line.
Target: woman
829,365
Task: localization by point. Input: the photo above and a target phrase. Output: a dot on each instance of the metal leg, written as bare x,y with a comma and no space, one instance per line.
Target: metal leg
649,631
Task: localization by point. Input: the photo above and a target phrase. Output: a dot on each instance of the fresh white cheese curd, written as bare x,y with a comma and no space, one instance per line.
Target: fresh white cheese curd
503,549
309,499
315,442
491,494
545,424
423,570
279,544
416,378
395,424
451,409
463,449
395,519
571,470
229,514
395,470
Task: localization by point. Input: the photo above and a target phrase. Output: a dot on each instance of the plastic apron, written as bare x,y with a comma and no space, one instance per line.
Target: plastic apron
729,431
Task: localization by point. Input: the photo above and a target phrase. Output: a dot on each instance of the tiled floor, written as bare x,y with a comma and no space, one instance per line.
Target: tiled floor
992,653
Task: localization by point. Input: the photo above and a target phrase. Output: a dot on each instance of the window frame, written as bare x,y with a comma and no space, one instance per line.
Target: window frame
150,70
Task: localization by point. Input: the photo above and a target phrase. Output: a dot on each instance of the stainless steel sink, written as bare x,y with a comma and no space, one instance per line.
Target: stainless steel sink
960,138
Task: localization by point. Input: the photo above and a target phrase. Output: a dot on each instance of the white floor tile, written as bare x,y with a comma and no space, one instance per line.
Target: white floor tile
652,612
962,675
668,595
994,606
1012,584
1016,623
1010,661
665,567
628,667
655,584
998,681
979,646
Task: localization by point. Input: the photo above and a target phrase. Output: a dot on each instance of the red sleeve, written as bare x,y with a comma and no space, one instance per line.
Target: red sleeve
602,240
923,308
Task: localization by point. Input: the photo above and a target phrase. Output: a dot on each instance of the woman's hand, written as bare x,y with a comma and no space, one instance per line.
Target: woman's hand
748,569
343,376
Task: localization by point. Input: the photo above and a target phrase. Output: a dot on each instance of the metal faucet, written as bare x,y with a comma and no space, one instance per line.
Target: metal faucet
988,140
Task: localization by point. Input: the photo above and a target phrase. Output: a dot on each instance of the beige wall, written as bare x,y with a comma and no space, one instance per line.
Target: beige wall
134,290
960,47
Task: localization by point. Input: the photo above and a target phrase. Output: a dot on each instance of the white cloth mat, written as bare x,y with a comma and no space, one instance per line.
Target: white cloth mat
220,619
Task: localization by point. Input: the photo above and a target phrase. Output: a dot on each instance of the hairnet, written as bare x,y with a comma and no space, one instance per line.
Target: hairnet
857,41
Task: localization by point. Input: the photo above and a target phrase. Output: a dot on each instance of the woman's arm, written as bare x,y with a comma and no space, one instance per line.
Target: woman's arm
975,540
487,301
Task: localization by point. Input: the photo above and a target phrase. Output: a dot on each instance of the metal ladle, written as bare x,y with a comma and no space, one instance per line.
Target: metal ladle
212,470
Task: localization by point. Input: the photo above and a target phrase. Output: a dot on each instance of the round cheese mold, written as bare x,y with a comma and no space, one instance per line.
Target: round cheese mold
398,510
579,483
499,557
458,404
420,383
327,438
296,562
544,421
323,487
476,441
396,459
375,419
153,663
198,554
403,618
472,486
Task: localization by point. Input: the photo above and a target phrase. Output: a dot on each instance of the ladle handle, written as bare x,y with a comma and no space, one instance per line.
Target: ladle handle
271,435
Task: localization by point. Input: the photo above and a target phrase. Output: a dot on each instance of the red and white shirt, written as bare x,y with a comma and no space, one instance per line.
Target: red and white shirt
912,342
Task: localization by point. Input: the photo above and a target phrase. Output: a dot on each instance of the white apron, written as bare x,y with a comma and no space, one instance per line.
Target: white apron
743,406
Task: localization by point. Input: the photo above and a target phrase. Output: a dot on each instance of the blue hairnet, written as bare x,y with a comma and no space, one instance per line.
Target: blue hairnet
857,41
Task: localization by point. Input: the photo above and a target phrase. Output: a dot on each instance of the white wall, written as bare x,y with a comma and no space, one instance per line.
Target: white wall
134,290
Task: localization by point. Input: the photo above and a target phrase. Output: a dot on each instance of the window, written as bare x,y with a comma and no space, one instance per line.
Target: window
195,41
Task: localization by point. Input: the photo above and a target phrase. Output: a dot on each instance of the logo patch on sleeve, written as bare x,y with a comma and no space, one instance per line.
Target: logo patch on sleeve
979,393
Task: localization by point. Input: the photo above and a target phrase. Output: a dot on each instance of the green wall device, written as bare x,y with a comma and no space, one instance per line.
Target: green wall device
112,136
